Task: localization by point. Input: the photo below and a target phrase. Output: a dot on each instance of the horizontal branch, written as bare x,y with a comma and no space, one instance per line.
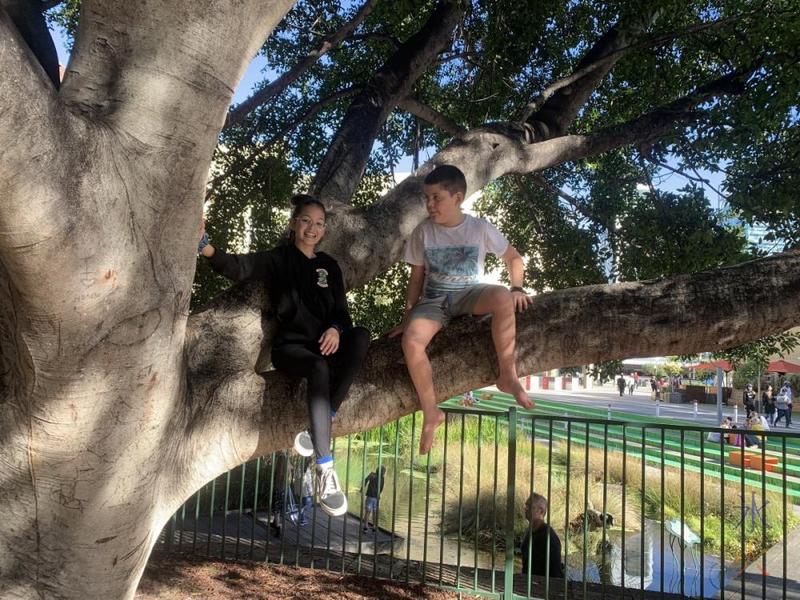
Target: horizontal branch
706,311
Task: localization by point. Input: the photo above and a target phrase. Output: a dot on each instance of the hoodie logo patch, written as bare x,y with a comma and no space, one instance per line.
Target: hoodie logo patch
322,278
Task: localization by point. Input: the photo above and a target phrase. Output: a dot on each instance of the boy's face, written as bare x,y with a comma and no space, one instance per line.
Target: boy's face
443,207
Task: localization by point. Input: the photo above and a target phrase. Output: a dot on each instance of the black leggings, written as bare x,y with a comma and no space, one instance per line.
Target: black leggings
328,377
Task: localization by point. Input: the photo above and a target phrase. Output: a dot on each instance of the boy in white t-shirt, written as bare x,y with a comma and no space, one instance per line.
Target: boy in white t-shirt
446,253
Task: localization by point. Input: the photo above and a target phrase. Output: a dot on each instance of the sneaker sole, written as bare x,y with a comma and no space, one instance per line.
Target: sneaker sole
334,512
301,450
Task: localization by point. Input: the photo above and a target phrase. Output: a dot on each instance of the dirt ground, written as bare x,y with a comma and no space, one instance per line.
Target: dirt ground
171,576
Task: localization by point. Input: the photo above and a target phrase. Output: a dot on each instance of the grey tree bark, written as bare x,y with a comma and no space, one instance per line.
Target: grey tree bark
117,404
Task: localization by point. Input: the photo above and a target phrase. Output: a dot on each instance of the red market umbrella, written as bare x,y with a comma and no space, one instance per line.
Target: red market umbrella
781,366
710,366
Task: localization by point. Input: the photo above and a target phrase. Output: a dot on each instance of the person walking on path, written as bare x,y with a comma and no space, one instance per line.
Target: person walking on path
446,253
768,405
782,406
315,337
374,487
749,399
621,384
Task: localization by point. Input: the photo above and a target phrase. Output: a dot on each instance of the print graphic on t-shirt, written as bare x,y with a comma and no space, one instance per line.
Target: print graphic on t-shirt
322,278
451,269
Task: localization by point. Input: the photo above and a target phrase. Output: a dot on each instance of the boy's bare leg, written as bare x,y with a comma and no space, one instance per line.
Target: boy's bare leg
497,300
416,337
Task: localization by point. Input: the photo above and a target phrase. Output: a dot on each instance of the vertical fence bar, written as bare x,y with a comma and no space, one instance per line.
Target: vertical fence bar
240,506
643,511
395,465
255,507
663,487
211,516
566,498
475,561
494,501
785,515
380,483
361,479
461,499
606,433
225,515
444,496
549,495
511,475
410,492
585,549
427,516
683,525
198,498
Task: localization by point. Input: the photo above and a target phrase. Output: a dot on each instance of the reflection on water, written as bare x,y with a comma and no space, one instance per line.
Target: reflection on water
652,561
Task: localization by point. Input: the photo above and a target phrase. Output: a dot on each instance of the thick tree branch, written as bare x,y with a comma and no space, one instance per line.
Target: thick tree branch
432,116
706,311
561,108
343,165
114,75
608,60
268,92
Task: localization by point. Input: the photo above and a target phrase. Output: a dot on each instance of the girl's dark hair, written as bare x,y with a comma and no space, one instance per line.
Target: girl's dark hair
299,202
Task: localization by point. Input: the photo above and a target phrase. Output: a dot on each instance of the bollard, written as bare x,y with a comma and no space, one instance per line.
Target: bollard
658,408
735,413
695,409
609,412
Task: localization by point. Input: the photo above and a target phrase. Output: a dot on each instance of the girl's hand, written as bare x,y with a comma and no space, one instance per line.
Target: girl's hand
329,342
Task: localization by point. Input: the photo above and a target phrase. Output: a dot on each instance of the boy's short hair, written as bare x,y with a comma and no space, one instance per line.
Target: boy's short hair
449,177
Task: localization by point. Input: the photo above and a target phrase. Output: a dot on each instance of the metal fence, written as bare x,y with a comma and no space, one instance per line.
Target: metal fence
636,505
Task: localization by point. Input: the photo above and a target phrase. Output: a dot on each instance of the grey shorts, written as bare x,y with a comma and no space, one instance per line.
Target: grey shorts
370,504
444,309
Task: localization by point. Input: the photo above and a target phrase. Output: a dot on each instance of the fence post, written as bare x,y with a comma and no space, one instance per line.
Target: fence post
508,588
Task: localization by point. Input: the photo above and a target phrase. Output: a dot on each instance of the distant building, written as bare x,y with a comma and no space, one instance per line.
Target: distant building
755,236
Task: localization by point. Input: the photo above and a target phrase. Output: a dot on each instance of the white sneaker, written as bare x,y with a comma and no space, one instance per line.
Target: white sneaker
303,444
331,497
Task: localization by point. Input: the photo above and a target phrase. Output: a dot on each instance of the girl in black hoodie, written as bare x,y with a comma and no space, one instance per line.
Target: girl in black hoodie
315,337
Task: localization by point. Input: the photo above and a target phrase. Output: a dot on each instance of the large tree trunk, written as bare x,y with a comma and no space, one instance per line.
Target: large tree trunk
102,190
116,405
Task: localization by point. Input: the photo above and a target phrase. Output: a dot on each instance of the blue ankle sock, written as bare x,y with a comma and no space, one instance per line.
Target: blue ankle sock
325,462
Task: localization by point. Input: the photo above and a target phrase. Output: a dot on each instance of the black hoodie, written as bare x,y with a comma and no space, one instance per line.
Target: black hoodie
306,295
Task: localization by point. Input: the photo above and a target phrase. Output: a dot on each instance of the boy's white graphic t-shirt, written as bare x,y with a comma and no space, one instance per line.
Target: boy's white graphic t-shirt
453,256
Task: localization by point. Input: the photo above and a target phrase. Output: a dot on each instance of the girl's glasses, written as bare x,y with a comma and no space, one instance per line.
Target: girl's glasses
308,222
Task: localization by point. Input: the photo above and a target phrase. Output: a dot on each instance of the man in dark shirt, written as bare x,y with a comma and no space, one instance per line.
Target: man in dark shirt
536,539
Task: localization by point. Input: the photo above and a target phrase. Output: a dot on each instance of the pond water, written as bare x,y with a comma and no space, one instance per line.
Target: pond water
647,563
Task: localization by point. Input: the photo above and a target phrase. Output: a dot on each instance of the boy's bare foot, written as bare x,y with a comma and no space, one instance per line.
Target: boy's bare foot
514,387
429,425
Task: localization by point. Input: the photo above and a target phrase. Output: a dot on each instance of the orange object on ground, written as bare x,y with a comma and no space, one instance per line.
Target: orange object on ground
766,463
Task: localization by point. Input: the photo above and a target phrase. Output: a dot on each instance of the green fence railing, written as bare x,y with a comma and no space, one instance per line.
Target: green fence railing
653,507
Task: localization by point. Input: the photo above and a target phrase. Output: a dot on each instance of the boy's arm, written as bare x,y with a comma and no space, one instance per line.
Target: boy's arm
413,292
516,274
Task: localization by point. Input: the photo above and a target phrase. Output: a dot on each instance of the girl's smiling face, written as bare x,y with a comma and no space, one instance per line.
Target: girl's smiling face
309,228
